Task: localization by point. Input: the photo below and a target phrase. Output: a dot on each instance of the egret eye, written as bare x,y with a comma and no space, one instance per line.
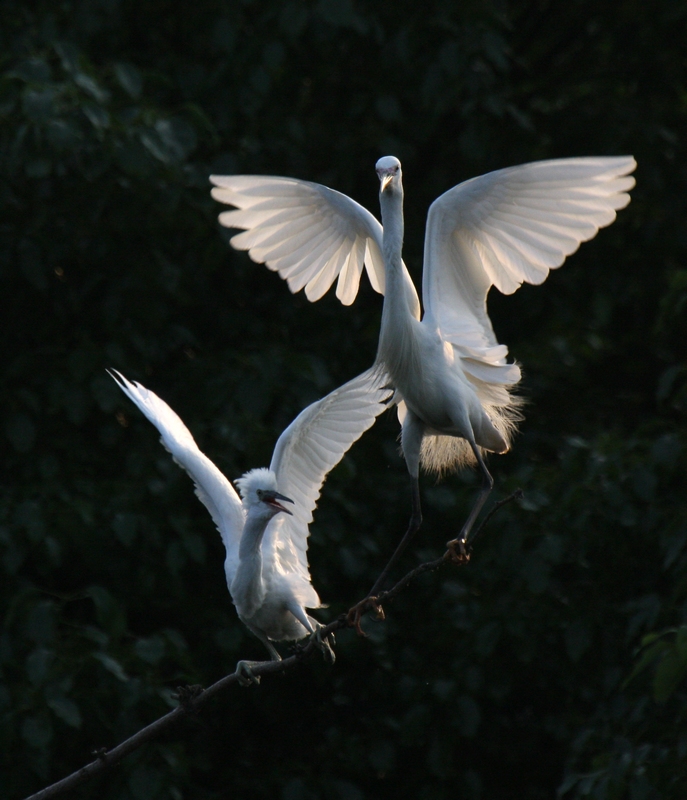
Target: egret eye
259,494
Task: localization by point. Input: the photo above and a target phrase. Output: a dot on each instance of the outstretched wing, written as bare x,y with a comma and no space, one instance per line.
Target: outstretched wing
306,232
212,488
308,449
505,228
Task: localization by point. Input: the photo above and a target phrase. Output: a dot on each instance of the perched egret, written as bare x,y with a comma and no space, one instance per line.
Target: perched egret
266,543
452,380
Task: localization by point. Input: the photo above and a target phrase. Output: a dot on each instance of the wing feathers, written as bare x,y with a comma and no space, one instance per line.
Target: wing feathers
312,446
212,488
286,221
317,286
513,226
297,277
349,278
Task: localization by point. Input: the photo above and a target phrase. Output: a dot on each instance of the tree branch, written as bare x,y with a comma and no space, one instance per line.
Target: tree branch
192,698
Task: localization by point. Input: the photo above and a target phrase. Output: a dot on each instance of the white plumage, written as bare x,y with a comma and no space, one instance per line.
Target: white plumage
452,378
266,562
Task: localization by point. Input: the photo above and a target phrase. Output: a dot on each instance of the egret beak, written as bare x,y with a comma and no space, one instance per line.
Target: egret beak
273,498
386,180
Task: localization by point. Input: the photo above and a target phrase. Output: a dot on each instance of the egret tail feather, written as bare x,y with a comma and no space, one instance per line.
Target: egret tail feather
443,454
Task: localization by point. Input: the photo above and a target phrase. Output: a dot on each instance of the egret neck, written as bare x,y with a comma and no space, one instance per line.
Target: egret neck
248,583
398,346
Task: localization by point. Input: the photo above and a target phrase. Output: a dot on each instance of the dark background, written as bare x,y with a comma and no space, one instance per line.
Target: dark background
527,673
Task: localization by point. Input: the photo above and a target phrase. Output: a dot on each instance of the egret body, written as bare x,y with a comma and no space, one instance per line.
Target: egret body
266,543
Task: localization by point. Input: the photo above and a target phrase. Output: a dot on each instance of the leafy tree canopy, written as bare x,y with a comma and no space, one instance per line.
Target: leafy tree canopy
556,660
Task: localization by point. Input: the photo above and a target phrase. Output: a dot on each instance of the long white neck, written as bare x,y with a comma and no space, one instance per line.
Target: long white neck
247,588
397,338
391,204
253,531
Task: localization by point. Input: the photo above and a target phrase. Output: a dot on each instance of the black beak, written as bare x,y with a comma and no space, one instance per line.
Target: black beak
273,498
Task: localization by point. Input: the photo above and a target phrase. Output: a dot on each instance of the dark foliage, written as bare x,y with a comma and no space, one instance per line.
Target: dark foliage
556,660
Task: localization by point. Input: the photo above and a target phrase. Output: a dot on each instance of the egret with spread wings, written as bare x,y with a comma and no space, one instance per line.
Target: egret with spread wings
452,379
266,543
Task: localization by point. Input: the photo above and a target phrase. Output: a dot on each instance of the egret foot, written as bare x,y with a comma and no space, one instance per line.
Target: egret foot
458,551
355,614
244,672
322,644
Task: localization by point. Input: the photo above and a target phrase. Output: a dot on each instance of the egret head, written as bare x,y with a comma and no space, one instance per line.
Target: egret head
259,491
389,172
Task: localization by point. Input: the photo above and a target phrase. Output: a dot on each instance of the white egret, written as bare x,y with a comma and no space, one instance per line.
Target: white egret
452,380
266,564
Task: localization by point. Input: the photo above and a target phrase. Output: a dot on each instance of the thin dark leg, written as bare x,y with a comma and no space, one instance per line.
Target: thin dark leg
487,486
413,527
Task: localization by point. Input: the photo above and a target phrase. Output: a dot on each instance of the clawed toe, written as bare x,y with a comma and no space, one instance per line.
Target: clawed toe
458,552
244,673
355,614
323,644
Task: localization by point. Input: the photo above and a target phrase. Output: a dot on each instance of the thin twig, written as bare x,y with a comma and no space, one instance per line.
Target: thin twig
193,698
516,495
427,566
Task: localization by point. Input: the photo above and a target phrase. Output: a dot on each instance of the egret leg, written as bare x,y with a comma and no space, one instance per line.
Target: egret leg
412,434
322,643
244,669
315,629
413,527
458,546
299,613
355,614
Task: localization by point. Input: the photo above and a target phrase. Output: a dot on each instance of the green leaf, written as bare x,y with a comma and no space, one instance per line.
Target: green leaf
40,626
39,104
125,527
129,79
669,673
650,655
66,710
38,664
91,87
108,612
97,116
112,666
150,649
